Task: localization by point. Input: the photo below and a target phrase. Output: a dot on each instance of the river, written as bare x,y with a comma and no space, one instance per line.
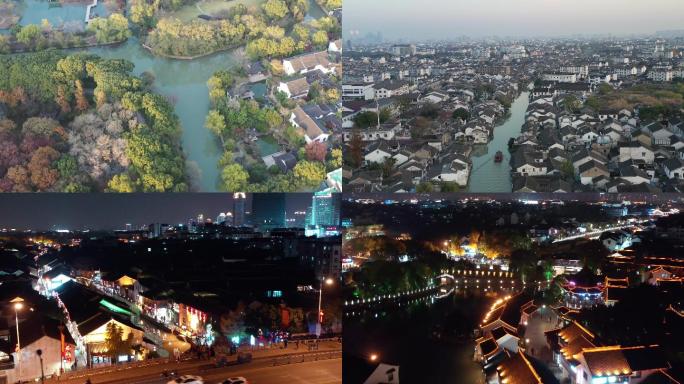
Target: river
488,175
431,340
185,83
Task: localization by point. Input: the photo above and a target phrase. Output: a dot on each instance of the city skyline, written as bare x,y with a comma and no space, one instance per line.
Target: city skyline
114,211
439,20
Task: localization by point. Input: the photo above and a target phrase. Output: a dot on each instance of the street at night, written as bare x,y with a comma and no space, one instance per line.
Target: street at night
326,371
145,290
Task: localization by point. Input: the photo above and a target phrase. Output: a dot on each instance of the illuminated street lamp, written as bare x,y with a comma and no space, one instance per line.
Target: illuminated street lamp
373,357
328,281
18,304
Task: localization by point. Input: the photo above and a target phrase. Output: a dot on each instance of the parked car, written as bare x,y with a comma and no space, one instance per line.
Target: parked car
187,379
235,380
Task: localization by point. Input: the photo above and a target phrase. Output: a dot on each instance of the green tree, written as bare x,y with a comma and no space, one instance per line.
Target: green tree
142,14
366,119
572,104
336,159
113,28
28,34
275,9
301,33
309,174
320,39
425,187
461,113
216,123
567,170
235,178
448,186
121,183
115,342
67,166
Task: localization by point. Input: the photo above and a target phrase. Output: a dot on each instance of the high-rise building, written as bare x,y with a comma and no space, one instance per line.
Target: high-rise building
221,218
404,50
229,219
239,200
268,210
325,209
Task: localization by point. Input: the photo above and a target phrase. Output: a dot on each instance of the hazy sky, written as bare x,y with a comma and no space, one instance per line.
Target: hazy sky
442,19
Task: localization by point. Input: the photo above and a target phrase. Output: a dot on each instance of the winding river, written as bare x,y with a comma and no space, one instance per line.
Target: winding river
183,82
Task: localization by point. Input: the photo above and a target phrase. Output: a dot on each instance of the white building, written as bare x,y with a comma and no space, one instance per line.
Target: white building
361,91
560,77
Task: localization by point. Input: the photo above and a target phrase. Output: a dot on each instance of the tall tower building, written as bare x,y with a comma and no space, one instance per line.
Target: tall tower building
239,200
268,210
325,209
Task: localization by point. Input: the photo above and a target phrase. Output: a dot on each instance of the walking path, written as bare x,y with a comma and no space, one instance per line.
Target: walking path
88,9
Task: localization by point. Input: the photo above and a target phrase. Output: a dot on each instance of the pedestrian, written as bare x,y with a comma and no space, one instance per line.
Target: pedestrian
285,341
296,344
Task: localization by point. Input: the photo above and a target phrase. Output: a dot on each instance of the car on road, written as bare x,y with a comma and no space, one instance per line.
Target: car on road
235,380
187,379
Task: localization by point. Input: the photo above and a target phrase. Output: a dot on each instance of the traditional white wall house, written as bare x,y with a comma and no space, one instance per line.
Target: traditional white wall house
673,168
660,73
313,130
335,46
358,91
560,77
390,88
308,62
636,150
38,333
295,89
377,152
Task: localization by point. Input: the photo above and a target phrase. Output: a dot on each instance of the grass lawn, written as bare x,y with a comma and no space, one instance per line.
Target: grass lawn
210,7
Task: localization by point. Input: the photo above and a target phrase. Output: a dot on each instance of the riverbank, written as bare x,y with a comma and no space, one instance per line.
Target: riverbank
83,46
174,57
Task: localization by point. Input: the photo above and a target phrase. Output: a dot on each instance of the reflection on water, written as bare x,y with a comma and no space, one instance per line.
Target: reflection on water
430,339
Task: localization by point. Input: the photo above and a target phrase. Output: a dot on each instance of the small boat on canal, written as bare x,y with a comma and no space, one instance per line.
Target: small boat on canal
498,157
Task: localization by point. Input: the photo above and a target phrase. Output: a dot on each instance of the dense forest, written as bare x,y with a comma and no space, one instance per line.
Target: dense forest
261,29
79,123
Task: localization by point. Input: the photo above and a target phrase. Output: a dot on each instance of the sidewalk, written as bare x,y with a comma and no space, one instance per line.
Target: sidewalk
156,367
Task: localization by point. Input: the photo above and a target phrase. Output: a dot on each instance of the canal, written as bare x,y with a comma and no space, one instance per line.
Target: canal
427,333
488,175
184,82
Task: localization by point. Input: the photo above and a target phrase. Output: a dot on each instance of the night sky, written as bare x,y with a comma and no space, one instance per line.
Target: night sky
41,211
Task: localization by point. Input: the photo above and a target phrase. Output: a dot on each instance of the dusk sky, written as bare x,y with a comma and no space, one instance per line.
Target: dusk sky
40,211
443,19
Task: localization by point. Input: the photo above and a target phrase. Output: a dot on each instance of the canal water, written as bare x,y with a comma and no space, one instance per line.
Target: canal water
182,81
488,175
431,341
